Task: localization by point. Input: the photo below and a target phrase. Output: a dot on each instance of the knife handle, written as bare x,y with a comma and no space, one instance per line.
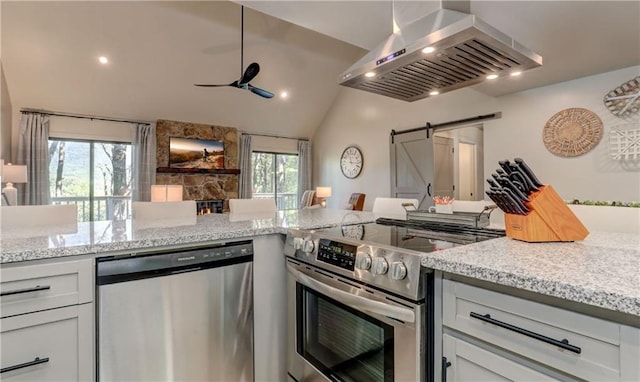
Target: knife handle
507,184
506,166
528,171
517,176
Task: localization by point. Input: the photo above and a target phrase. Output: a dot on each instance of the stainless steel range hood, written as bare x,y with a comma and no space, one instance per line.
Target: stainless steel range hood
465,51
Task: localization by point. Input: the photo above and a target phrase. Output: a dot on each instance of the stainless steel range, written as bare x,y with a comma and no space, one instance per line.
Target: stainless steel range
360,307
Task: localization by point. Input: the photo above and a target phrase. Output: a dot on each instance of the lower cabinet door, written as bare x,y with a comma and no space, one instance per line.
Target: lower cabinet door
52,345
468,362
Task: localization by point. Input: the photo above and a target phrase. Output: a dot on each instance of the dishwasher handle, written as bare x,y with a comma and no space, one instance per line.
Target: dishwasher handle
355,301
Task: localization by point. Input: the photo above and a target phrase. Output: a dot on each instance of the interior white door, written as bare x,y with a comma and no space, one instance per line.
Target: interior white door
412,167
443,166
467,170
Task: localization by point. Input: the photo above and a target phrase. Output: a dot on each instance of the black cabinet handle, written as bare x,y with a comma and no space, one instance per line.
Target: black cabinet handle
25,290
429,189
562,344
36,361
445,365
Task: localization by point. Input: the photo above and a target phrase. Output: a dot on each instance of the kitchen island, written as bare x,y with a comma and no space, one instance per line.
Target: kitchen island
94,238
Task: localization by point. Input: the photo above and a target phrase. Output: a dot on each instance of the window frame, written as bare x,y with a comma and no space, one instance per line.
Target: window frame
275,162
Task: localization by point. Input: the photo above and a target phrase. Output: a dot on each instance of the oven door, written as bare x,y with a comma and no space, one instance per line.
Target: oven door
339,330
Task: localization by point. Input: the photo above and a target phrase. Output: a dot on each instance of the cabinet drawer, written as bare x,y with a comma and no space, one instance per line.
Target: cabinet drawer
576,344
54,345
31,288
472,363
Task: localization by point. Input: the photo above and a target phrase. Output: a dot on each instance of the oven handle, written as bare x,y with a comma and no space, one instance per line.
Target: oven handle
355,301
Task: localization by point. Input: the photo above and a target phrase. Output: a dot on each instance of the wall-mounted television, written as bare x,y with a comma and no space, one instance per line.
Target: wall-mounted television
196,153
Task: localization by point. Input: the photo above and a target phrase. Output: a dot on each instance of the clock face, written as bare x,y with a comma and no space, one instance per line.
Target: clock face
351,162
355,231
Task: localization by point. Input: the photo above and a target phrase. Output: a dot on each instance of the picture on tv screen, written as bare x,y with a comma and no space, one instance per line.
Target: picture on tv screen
196,153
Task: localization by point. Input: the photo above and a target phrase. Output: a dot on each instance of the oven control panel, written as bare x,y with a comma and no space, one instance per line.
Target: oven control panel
338,254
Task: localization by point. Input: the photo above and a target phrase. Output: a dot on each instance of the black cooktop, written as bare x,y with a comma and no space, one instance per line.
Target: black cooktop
413,235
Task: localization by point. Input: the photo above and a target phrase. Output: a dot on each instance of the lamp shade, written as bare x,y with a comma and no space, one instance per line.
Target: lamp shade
166,193
14,173
323,192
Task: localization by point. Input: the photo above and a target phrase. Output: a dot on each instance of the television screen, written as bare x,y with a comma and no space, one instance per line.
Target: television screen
195,153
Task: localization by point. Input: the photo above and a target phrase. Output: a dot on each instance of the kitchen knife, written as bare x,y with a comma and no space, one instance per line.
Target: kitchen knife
498,200
507,184
519,176
516,206
506,166
525,169
492,183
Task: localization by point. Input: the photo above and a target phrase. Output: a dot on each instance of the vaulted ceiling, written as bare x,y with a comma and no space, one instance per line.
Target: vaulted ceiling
158,50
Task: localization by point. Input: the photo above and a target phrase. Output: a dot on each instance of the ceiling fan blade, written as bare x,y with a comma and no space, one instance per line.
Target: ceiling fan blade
260,92
250,73
234,84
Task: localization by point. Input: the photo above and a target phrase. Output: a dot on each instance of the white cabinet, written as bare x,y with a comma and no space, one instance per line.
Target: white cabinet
468,362
563,342
47,329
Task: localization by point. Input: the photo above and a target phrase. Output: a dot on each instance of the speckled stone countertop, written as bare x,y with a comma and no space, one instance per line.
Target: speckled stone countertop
602,271
127,235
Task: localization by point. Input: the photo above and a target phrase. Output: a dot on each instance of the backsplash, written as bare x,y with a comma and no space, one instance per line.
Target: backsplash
199,186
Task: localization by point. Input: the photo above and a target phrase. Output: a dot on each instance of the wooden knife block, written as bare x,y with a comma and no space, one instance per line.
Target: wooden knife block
549,219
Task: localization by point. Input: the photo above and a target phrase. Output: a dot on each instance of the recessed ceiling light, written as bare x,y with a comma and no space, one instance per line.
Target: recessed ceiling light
435,92
369,74
515,74
103,60
284,94
492,76
429,49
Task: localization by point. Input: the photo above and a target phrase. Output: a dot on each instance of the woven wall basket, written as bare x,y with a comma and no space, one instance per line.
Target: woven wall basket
572,132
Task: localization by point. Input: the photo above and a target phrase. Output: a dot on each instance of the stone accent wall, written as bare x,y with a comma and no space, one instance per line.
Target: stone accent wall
199,186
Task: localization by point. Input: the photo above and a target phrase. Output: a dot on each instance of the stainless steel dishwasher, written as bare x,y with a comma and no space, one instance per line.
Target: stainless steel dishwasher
184,315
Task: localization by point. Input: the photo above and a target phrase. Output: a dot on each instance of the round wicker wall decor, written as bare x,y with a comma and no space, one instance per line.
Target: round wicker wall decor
572,132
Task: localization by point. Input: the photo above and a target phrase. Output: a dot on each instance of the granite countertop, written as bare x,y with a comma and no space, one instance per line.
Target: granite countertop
130,235
603,270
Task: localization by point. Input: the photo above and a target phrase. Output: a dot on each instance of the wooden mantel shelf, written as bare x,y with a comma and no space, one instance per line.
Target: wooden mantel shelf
217,171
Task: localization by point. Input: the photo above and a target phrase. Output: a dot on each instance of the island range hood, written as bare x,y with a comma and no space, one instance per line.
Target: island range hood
440,52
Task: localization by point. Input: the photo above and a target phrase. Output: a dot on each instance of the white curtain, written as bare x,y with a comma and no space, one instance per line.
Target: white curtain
245,190
304,167
144,161
33,151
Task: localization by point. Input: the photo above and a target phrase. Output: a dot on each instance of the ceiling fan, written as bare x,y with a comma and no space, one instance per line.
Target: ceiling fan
249,74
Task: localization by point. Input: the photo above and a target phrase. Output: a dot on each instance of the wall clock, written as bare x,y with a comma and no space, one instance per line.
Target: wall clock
351,162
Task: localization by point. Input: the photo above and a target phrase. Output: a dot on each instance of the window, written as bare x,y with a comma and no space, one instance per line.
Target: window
275,175
94,175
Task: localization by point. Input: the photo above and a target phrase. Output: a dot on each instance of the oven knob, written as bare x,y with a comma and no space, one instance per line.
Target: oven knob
308,246
363,261
380,266
398,270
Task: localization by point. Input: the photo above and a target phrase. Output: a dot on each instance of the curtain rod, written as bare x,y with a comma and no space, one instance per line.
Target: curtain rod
92,117
275,136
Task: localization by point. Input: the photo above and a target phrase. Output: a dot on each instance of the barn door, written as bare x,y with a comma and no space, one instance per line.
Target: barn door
412,167
443,166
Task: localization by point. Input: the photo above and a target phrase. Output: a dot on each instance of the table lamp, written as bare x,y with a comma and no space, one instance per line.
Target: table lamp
322,193
12,173
166,193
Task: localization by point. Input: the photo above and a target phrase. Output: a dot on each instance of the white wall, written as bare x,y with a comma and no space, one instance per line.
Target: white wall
366,119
